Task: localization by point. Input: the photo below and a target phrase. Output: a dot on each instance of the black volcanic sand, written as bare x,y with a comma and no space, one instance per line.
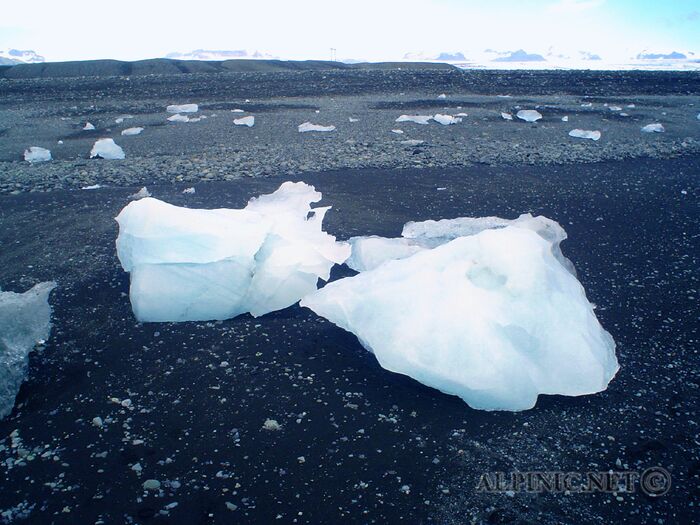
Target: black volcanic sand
357,444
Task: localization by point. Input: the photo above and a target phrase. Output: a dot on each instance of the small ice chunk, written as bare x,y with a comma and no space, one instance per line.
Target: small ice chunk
587,104
462,115
308,126
565,118
107,149
529,115
446,120
188,191
631,106
88,127
237,111
179,118
132,131
614,108
350,119
141,194
121,119
25,321
442,95
653,128
418,119
491,317
698,117
412,142
36,154
506,116
584,134
397,131
92,187
182,108
245,121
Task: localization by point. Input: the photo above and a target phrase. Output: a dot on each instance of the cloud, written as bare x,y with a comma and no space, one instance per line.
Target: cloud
574,6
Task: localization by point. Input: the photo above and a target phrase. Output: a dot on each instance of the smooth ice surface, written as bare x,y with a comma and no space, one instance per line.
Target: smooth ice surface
132,131
194,265
653,128
308,126
584,134
370,252
417,119
446,120
25,320
107,149
179,118
492,317
529,115
245,121
182,108
37,154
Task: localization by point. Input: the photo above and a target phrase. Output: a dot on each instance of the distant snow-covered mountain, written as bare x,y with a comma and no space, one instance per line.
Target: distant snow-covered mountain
520,56
11,57
673,55
208,54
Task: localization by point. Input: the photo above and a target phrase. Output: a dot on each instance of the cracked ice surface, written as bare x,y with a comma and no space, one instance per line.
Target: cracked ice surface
196,265
493,313
25,321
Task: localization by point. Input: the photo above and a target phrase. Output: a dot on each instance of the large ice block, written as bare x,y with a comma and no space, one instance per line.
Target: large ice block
194,265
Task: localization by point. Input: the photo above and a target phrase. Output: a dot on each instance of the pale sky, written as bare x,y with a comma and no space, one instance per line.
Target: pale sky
359,29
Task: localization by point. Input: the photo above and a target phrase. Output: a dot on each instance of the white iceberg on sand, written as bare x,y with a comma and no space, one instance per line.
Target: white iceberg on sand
188,191
446,120
506,116
493,317
245,121
132,131
565,118
88,127
442,96
417,119
308,126
179,118
194,265
182,108
107,149
37,154
25,321
653,128
585,134
397,131
529,115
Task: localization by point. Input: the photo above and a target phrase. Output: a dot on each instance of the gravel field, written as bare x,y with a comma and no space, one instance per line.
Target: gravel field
42,112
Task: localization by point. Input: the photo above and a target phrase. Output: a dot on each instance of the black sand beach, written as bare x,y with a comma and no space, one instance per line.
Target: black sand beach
185,403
